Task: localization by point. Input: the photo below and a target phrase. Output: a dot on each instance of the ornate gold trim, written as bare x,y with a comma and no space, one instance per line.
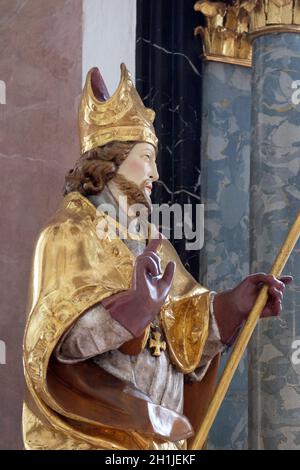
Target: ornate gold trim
225,36
272,16
230,29
228,60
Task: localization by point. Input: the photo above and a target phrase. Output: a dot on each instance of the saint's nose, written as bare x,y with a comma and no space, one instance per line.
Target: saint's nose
154,173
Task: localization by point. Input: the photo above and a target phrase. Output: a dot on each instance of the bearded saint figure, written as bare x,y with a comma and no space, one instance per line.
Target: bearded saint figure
122,344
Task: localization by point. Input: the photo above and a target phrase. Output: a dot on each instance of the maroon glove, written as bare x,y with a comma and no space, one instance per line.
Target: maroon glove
232,307
138,306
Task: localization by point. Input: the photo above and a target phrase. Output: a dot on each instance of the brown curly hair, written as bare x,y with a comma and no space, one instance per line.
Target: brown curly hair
96,167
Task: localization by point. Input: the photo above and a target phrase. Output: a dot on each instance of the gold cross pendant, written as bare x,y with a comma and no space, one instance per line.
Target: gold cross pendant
156,343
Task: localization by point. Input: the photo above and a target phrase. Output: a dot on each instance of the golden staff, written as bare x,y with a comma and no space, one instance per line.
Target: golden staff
244,338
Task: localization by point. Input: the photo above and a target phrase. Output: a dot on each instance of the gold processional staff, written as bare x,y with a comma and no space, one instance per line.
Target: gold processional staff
244,338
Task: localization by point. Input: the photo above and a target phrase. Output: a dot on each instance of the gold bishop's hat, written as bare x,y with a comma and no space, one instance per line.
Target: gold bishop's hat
121,117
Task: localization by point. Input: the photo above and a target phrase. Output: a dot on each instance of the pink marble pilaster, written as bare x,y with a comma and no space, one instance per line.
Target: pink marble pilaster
40,64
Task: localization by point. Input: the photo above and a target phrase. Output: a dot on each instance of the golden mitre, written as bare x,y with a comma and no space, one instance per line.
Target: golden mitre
121,117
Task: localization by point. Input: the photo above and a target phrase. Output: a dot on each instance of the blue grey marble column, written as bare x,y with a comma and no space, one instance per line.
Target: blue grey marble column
225,178
274,381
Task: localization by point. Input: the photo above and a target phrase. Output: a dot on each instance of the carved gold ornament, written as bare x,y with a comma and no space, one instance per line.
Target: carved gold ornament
271,16
225,36
231,27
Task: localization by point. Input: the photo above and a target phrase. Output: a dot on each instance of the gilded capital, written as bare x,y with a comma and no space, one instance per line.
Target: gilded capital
225,36
271,16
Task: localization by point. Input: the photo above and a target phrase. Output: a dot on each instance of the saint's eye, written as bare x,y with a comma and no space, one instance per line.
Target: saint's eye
148,156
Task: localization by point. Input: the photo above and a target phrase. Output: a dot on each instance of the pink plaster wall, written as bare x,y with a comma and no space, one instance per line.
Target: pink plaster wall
40,62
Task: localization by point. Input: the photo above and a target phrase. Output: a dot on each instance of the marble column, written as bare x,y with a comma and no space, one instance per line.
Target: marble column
225,180
225,163
274,381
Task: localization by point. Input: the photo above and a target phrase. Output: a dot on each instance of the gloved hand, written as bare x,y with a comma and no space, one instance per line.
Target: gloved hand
138,306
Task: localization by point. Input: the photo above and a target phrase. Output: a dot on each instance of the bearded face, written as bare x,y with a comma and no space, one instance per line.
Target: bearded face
136,175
